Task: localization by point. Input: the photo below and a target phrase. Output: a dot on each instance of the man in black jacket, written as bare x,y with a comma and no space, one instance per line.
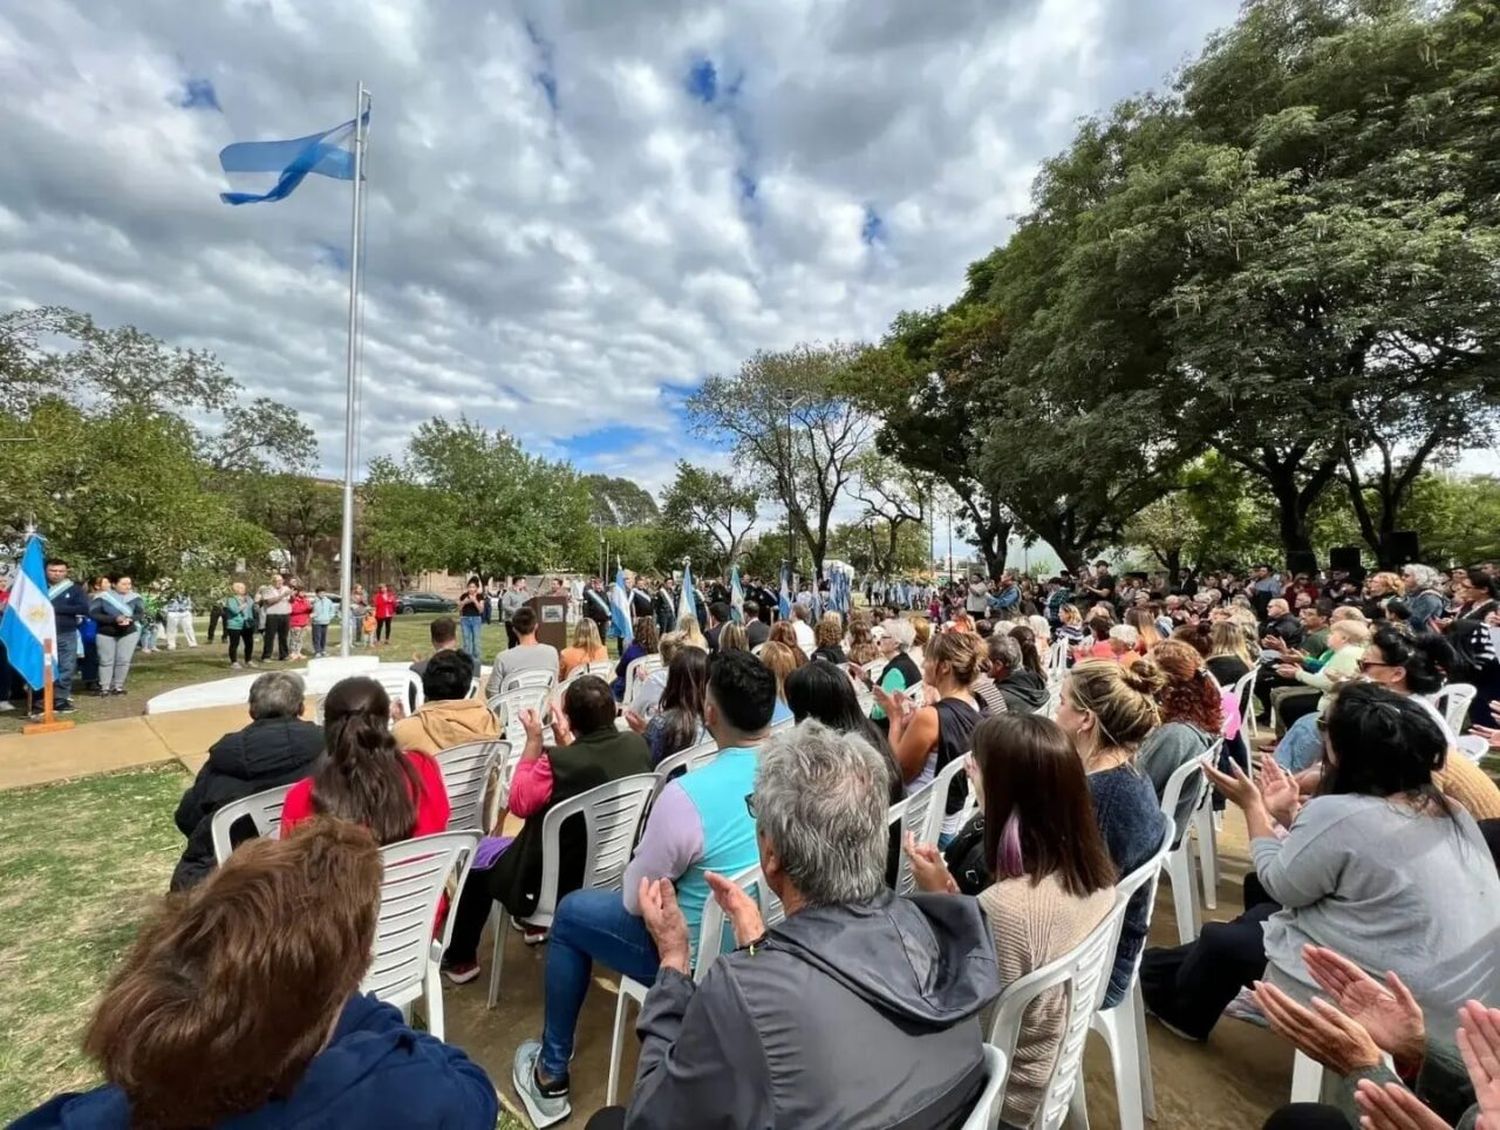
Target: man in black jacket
70,604
277,748
757,631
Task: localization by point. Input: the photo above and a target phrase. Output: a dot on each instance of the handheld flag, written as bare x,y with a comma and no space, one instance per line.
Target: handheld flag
29,624
784,605
686,604
619,608
736,596
320,153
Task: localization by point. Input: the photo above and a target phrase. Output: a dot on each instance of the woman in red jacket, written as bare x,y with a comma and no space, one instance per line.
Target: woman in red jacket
364,776
385,612
301,617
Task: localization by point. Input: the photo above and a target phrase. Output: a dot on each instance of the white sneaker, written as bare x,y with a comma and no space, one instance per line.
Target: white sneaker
543,1109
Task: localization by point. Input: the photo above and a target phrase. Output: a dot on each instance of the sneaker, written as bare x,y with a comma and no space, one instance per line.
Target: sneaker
235,666
253,664
1243,1007
63,708
546,1106
534,935
461,973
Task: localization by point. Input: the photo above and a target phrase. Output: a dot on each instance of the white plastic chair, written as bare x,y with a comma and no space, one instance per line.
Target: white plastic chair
1244,690
466,774
1207,832
264,810
1057,662
528,680
1452,702
937,810
1083,977
710,943
684,761
398,680
603,669
1179,864
912,814
637,673
1124,1026
407,956
507,706
986,1112
611,814
414,695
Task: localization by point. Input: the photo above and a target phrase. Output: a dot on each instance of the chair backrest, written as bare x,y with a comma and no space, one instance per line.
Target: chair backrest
1057,661
1054,700
474,684
1244,689
1453,703
986,1112
604,669
1083,977
1146,875
1188,777
875,667
687,760
466,774
525,680
416,874
637,673
397,679
611,812
911,816
264,810
414,695
937,811
711,926
507,706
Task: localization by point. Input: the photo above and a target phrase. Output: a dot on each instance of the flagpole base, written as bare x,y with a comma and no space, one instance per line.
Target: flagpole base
47,727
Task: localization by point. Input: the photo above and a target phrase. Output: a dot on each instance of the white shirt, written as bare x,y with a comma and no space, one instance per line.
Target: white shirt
805,638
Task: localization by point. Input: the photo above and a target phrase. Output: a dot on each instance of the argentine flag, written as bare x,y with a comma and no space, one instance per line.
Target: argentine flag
619,609
321,153
736,596
784,605
29,625
686,605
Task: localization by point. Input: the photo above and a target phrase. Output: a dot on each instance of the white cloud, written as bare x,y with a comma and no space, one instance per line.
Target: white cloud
559,225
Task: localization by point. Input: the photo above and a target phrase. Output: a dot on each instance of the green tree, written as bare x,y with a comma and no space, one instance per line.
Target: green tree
619,502
712,504
790,422
1456,517
299,512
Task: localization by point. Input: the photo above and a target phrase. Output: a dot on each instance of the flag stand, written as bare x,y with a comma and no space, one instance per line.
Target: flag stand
49,723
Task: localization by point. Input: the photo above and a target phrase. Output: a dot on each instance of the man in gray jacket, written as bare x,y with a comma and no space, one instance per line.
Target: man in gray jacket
860,1009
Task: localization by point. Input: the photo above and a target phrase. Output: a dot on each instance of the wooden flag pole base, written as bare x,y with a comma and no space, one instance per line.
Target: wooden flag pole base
52,727
49,723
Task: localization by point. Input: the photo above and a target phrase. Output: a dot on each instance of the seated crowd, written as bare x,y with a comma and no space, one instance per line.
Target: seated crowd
1373,833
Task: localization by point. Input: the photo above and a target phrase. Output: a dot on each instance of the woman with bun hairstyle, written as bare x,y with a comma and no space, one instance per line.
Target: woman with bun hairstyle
1192,714
1107,710
364,776
924,739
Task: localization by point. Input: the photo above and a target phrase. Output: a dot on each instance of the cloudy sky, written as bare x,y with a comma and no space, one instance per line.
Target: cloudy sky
578,210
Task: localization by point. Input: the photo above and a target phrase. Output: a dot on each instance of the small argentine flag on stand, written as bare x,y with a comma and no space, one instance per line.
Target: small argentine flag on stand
784,605
686,604
736,596
619,608
29,630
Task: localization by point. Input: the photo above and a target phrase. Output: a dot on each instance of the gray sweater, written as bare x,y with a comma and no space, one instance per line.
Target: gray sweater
1389,888
1167,749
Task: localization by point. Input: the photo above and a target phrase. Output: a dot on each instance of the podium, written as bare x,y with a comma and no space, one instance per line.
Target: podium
551,619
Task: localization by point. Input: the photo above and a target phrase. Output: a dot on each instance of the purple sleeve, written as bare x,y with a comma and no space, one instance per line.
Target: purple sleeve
672,842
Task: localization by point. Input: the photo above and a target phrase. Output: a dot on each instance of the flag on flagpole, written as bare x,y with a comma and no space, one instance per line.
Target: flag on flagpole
784,605
29,624
686,604
736,596
619,608
321,153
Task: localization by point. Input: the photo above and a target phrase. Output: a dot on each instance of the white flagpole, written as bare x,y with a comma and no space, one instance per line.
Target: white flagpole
346,544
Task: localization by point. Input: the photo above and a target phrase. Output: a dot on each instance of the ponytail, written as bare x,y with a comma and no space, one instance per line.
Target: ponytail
363,777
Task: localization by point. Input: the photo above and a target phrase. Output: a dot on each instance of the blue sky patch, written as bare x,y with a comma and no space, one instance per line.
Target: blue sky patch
199,94
872,231
703,80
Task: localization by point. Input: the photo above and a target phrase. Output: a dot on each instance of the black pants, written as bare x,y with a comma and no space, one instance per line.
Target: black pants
511,639
383,627
469,917
215,614
1293,706
237,636
1190,986
1302,1116
276,627
608,1118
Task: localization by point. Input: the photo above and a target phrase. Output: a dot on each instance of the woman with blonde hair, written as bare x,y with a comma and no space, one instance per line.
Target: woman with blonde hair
691,632
1108,709
860,646
922,636
924,739
1070,624
648,693
1144,624
781,659
732,637
1230,656
587,648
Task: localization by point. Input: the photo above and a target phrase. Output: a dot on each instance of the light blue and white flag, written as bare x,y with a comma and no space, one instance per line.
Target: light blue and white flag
784,605
687,604
736,596
619,609
29,625
321,153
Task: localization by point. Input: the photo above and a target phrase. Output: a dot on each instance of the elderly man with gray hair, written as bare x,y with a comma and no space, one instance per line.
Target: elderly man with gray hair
276,748
860,1009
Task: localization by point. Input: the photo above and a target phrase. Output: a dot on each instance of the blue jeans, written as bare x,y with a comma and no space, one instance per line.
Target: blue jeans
319,638
1302,744
589,926
470,625
67,663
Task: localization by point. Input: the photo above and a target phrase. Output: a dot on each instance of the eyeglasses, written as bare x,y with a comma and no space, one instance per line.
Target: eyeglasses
1367,664
750,806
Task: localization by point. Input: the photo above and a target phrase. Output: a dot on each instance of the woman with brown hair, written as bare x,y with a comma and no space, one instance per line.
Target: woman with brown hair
1051,877
1108,709
1192,715
240,1003
784,633
829,636
1143,620
926,738
364,776
861,647
782,659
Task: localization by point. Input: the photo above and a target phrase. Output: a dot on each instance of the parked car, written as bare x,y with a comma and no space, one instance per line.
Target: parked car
424,602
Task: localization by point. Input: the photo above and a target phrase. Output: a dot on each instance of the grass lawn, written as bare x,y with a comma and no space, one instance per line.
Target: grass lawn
152,674
83,863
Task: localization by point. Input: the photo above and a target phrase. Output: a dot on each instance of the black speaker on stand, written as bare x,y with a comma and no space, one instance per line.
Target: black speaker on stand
1403,546
1345,558
1302,561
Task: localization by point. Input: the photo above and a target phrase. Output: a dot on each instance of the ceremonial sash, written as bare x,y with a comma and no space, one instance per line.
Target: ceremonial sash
121,608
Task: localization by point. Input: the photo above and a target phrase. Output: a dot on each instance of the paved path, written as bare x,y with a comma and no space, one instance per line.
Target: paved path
122,743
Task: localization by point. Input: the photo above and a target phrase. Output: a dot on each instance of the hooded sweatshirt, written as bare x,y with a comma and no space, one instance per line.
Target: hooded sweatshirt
446,723
855,1016
374,1072
1025,692
266,753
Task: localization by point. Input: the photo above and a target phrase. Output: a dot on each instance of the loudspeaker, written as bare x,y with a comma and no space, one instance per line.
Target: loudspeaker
1403,546
1302,561
1345,557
